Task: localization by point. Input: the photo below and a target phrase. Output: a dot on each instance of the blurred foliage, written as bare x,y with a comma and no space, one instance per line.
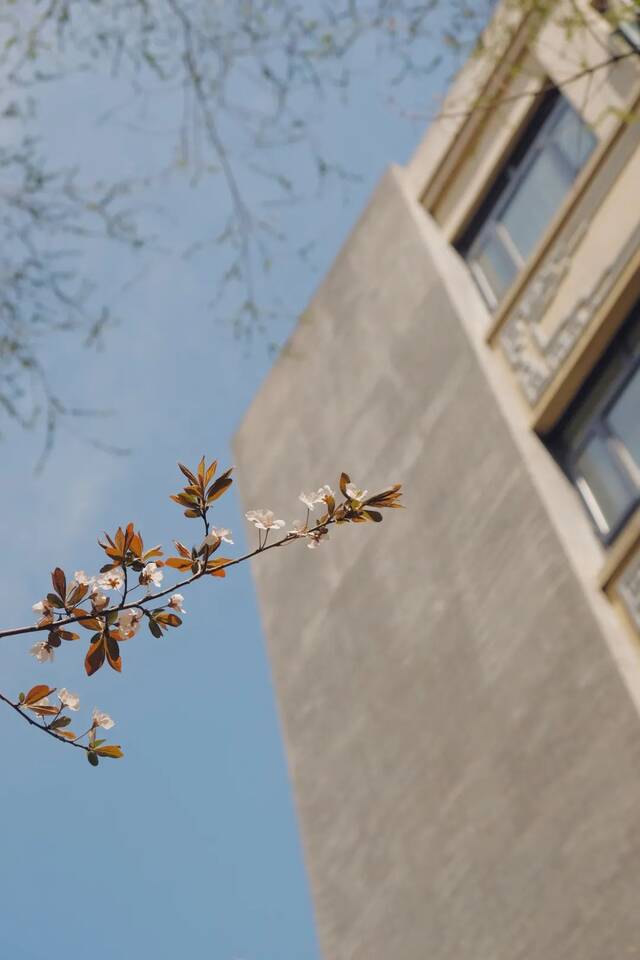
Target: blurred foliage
243,84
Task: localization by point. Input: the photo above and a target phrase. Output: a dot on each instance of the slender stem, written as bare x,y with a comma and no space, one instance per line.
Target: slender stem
125,588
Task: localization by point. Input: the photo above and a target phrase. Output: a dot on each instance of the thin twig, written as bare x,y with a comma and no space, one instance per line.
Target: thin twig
42,726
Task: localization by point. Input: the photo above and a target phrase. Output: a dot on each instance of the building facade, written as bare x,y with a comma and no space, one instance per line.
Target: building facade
459,688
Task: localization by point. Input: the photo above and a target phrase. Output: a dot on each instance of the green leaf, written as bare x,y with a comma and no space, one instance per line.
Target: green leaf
59,722
92,758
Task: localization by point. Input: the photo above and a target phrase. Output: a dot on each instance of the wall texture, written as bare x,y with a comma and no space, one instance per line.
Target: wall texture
464,755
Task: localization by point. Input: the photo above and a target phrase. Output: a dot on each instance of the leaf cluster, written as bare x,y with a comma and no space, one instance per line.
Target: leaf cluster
202,490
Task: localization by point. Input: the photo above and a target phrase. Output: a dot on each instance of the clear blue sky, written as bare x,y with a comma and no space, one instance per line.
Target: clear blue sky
189,845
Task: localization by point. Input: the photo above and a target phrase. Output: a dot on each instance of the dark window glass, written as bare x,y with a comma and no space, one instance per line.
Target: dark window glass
526,195
598,440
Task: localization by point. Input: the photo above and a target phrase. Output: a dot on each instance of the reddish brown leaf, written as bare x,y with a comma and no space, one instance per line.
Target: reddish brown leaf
136,545
185,499
170,619
153,552
344,480
185,470
95,657
75,596
109,750
91,623
44,711
59,582
211,472
178,563
218,488
113,653
37,693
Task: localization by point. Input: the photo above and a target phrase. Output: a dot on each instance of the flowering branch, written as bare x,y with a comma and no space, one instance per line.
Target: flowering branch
149,598
112,622
37,701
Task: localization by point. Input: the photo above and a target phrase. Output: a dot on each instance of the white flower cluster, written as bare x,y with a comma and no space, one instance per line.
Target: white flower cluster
265,519
311,499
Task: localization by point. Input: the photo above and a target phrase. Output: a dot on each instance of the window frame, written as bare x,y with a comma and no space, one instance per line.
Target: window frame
627,29
621,350
485,224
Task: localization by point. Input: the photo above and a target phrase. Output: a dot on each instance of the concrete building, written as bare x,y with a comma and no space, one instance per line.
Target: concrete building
459,687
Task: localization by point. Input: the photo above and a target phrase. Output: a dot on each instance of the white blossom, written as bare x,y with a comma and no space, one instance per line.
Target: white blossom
71,700
99,719
41,651
316,496
216,536
299,529
316,538
128,622
99,600
112,579
151,574
309,499
218,533
81,578
42,607
264,519
354,493
175,602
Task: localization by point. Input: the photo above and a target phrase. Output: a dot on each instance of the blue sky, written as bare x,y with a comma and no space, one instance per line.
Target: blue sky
189,844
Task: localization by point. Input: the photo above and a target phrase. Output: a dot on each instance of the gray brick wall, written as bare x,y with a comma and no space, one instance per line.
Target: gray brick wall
464,756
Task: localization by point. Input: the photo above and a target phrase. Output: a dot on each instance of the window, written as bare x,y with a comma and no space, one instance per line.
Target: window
526,195
598,439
